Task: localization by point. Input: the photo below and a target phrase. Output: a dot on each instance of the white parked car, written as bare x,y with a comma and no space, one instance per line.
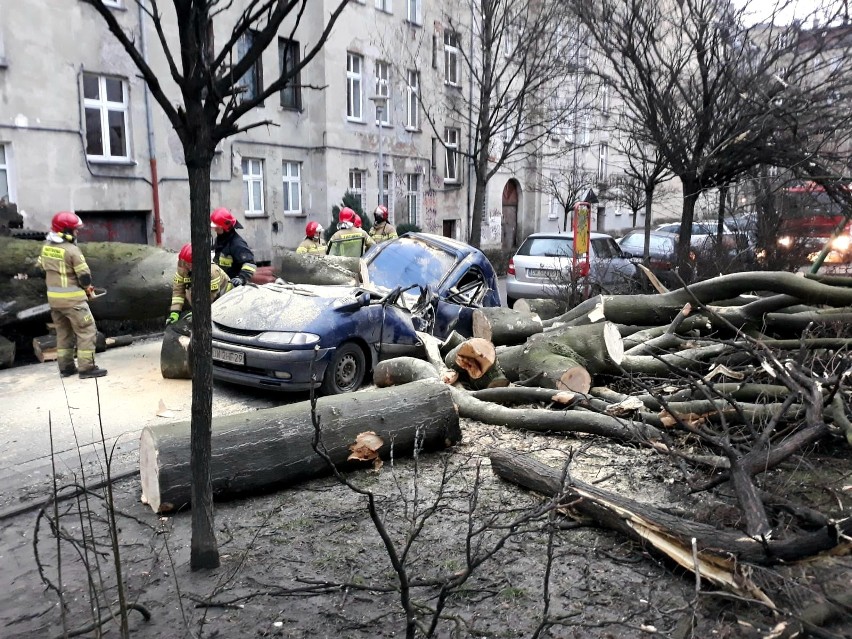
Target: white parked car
542,266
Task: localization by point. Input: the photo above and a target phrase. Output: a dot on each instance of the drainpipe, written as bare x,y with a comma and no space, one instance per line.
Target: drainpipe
152,146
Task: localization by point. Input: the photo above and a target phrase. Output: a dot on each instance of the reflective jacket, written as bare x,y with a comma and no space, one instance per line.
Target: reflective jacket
220,284
351,242
310,245
383,232
65,272
233,255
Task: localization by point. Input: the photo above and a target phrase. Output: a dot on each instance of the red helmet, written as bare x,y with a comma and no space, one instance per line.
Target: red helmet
65,221
224,219
381,213
346,215
186,253
357,221
312,229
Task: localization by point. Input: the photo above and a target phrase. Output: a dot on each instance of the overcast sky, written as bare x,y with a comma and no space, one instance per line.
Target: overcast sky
761,10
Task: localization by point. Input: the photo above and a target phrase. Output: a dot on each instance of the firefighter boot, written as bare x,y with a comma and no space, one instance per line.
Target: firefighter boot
68,371
93,372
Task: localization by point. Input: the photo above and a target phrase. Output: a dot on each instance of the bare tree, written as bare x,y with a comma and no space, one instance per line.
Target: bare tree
565,186
710,92
503,61
210,104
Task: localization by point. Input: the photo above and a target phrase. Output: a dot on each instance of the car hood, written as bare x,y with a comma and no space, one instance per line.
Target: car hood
279,307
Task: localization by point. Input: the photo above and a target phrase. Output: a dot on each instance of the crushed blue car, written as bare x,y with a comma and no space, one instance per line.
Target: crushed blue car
292,337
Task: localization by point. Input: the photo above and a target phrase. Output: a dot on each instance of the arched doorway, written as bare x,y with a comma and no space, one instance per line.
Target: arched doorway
510,213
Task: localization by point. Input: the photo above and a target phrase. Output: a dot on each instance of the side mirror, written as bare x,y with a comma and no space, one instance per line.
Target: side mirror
350,305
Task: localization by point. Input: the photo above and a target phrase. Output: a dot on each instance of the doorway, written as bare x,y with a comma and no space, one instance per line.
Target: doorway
510,214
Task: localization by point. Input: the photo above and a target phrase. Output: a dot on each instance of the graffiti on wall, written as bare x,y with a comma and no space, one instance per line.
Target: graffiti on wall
492,231
430,212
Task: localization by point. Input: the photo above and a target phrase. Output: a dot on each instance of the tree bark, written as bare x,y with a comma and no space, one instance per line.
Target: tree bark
503,326
307,268
402,370
7,352
272,448
544,308
176,354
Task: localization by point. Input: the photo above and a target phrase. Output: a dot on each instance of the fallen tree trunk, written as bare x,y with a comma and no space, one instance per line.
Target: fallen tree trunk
309,268
503,326
645,523
272,448
402,370
475,362
544,308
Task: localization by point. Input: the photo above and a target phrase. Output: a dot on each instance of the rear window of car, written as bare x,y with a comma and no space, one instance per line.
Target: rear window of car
605,248
547,247
408,261
633,243
658,244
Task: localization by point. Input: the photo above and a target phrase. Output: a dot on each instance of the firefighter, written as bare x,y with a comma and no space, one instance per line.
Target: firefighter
220,284
69,287
357,221
313,239
382,230
230,251
348,241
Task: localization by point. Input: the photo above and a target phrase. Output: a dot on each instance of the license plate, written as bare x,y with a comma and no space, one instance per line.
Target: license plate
542,272
232,357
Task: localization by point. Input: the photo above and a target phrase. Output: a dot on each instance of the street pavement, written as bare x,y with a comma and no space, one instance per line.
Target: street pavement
35,403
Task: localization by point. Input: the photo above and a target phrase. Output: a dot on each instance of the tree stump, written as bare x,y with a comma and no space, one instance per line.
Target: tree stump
176,350
272,448
7,352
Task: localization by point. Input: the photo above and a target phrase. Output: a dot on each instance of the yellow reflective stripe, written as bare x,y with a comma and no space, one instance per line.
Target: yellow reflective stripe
214,286
81,268
225,260
68,295
249,268
53,252
177,300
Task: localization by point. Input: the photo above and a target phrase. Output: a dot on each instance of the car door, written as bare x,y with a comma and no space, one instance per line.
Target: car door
610,268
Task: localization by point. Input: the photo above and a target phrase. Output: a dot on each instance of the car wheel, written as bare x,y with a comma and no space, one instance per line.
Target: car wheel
345,371
510,301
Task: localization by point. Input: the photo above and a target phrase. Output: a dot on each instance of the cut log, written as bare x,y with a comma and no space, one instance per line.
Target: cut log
272,448
544,308
503,326
475,361
44,347
402,370
310,268
176,353
7,352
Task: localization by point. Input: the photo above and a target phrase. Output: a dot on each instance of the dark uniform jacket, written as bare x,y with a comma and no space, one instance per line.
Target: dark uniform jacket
234,256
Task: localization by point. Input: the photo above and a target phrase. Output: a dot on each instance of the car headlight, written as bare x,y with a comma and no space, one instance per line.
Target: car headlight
841,243
287,338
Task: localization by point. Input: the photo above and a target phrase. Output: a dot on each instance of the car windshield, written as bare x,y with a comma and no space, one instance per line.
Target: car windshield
605,248
409,261
547,247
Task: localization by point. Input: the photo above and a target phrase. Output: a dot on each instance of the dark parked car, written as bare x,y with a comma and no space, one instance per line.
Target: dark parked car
661,254
542,267
273,336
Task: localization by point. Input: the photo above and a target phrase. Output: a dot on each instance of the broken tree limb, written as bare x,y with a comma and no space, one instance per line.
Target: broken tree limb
546,421
688,359
544,308
475,361
645,523
503,326
319,269
526,395
402,370
272,448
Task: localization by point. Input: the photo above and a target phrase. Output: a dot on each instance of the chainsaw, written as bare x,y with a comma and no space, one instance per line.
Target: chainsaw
41,309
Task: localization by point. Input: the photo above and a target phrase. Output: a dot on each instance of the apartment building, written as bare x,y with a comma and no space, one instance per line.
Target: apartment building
79,131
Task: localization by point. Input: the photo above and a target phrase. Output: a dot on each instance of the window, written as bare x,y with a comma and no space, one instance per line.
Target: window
253,187
292,176
603,160
354,99
451,165
5,177
356,186
412,103
288,57
383,88
387,181
451,58
554,208
105,102
414,12
605,99
252,81
384,5
412,198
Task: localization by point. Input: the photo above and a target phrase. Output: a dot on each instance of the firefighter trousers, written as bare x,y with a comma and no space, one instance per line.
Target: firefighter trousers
78,322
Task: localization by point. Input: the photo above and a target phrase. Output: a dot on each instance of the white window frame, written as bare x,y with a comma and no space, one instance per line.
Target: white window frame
291,181
387,191
383,88
603,161
452,58
252,176
7,169
105,107
412,197
605,99
412,100
113,3
414,11
554,208
354,87
357,180
451,154
385,5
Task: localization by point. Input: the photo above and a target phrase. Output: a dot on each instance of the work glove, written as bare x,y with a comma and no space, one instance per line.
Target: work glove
90,292
173,317
237,281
